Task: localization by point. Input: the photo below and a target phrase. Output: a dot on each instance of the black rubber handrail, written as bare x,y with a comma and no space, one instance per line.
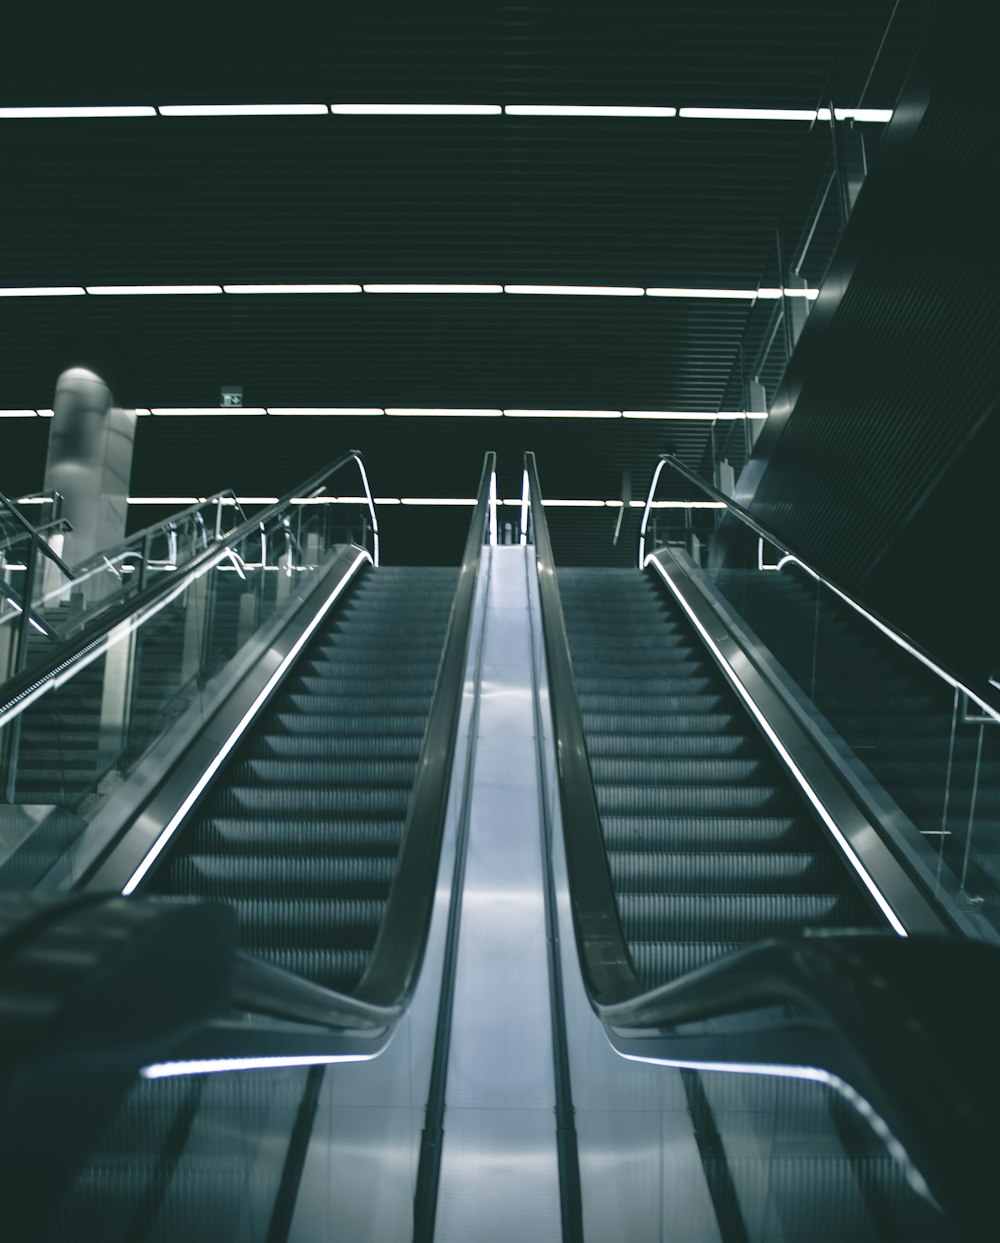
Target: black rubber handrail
19,688
399,948
604,957
987,697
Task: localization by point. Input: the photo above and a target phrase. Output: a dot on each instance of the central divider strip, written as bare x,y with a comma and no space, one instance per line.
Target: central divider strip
499,1162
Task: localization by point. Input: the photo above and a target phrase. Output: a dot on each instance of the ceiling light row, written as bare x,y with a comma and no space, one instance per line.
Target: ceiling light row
587,291
450,501
100,112
423,412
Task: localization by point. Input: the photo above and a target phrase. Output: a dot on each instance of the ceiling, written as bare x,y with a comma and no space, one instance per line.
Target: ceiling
366,199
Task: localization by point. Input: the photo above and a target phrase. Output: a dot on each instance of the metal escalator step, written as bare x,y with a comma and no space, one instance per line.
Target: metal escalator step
309,724
324,774
636,772
722,872
360,705
339,969
296,836
660,706
265,804
692,800
308,922
734,917
343,747
670,746
270,875
613,720
791,834
659,962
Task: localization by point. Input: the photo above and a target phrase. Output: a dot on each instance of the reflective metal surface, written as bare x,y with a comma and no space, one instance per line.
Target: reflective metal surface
499,1176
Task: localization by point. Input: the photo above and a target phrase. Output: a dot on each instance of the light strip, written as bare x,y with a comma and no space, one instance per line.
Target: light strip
58,113
586,291
237,289
492,511
242,110
748,114
217,1065
524,508
878,115
126,290
165,411
416,412
553,504
683,416
433,288
585,110
680,292
415,110
17,414
563,414
195,793
166,500
332,410
782,750
42,291
679,505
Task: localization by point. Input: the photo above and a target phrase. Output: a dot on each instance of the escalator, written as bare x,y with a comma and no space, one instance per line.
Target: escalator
710,845
301,832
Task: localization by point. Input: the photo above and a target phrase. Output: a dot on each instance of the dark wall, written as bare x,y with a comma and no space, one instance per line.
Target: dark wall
880,462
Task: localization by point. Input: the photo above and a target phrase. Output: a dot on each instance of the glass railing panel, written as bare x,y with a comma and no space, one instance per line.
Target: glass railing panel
924,754
160,674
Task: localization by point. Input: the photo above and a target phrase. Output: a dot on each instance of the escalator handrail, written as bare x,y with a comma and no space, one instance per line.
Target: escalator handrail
35,535
25,688
986,698
399,949
603,951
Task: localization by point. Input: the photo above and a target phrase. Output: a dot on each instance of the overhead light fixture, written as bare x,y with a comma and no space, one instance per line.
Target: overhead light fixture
323,410
46,414
17,414
423,110
291,288
877,115
749,114
599,291
433,288
163,500
86,112
585,110
683,416
679,292
427,413
563,414
162,411
788,292
125,290
555,504
242,110
42,291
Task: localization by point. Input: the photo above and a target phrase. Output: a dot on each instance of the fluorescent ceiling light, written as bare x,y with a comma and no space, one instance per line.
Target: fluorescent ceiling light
553,504
749,114
46,414
605,291
701,293
563,414
207,410
686,415
387,500
426,110
242,110
433,288
585,110
292,288
153,289
788,292
446,413
42,291
679,505
100,111
17,414
332,410
437,500
878,115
